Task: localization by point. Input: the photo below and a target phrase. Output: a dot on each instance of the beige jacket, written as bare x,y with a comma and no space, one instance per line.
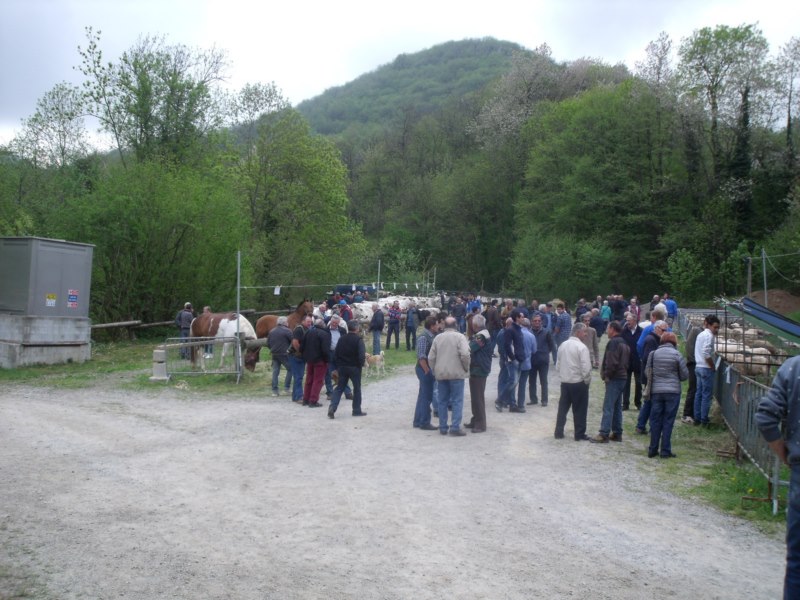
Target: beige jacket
449,355
593,345
574,364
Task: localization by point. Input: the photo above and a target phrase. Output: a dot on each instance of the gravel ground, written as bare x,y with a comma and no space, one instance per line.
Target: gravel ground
108,493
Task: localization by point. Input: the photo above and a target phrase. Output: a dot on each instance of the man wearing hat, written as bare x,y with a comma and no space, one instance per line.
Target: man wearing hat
345,312
184,320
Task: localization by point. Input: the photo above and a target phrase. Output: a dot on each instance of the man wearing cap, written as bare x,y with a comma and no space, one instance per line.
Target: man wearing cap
344,311
184,320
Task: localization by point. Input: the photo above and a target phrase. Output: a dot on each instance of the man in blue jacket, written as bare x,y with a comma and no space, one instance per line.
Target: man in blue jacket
782,403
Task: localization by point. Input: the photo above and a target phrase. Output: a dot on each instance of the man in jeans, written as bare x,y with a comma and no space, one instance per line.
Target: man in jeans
422,411
449,360
279,341
704,370
782,403
514,351
540,363
614,371
296,362
376,328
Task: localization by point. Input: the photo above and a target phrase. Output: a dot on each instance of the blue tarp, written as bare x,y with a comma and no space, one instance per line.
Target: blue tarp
771,317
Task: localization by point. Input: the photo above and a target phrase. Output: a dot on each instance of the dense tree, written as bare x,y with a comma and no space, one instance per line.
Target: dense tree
296,190
156,101
722,66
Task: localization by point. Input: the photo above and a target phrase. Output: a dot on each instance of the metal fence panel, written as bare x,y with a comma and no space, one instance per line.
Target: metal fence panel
203,356
738,397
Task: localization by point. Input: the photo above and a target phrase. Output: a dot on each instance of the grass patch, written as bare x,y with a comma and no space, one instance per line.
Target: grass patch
794,316
107,358
131,363
700,473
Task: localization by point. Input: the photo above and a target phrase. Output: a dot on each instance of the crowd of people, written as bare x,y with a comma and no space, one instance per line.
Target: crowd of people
461,342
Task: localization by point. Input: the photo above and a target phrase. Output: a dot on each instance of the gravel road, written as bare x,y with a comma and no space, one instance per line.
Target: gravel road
167,493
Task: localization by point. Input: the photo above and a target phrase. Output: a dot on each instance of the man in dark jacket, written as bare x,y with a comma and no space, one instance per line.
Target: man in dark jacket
412,322
614,371
514,355
493,322
296,362
279,341
691,390
651,342
631,333
480,365
540,363
316,353
184,320
349,356
376,328
782,404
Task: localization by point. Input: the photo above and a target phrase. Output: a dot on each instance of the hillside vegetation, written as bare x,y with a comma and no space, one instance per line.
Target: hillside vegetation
478,163
426,81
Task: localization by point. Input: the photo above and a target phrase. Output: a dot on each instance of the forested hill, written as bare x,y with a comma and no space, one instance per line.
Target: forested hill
424,80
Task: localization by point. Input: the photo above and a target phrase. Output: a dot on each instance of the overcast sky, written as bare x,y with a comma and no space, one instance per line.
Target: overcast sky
307,47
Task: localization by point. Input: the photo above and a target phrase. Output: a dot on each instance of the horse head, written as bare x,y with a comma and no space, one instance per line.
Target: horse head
306,307
251,358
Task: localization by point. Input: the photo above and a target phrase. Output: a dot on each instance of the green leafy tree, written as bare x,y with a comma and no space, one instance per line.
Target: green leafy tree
296,190
161,236
685,275
157,101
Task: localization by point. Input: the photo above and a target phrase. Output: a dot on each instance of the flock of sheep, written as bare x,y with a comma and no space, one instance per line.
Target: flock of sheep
747,350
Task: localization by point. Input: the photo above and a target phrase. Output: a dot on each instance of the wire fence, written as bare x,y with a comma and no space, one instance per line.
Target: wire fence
738,397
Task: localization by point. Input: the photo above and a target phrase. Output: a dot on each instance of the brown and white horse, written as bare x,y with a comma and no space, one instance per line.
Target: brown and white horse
268,322
221,325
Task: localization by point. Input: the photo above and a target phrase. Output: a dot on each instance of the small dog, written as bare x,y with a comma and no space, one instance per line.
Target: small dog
376,363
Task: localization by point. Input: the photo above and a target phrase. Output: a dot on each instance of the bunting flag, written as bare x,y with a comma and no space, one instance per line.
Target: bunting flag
277,290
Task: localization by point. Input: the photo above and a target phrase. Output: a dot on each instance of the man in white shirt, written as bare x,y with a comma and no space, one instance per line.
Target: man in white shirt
704,370
574,367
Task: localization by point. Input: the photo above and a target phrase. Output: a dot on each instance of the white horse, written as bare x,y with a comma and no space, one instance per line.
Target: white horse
219,326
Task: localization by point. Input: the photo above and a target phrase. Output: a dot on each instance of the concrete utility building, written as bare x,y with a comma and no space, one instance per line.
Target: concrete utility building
44,301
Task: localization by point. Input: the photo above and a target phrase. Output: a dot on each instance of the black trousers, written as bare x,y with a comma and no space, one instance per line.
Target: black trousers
539,370
477,393
394,327
688,404
633,374
353,376
576,397
411,338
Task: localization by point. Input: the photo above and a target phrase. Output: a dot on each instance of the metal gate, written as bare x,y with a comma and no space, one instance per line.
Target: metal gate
204,356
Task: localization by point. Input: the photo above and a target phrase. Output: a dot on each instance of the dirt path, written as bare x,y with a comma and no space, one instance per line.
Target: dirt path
165,494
